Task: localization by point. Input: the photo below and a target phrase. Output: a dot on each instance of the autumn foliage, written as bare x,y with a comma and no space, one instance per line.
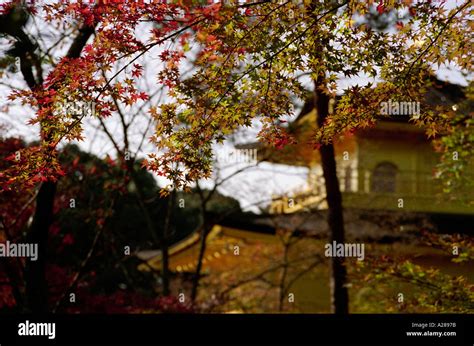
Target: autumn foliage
223,66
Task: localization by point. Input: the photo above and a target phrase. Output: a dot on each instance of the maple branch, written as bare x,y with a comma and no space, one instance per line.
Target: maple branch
272,56
109,135
85,32
148,47
124,124
46,52
436,38
248,32
254,3
144,104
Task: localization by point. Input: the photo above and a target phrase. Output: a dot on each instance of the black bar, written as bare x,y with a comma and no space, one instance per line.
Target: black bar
184,329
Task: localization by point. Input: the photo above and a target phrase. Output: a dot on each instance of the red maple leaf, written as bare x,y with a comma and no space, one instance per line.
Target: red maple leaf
380,8
137,71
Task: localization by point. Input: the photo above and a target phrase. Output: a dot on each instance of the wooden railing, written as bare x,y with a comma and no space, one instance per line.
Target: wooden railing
420,191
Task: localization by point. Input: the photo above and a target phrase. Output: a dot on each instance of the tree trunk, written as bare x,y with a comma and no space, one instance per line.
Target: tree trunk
164,243
338,275
35,271
202,251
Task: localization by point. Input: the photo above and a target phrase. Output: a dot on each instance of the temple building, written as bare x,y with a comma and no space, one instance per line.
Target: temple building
386,167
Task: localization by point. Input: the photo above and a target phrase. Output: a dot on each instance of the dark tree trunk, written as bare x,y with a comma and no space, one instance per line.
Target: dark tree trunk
35,271
164,243
202,251
338,275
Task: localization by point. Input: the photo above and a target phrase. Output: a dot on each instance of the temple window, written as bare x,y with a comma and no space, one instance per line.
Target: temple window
384,178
